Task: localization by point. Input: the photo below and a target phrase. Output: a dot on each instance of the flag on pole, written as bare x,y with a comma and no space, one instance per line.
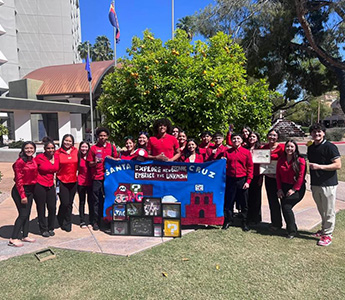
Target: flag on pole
88,68
113,20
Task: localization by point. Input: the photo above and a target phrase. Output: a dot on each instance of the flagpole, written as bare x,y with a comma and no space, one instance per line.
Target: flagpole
114,30
172,19
91,104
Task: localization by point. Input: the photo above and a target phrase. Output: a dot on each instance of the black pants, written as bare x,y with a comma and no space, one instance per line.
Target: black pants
273,202
24,210
254,199
45,197
235,192
82,192
98,200
288,203
66,195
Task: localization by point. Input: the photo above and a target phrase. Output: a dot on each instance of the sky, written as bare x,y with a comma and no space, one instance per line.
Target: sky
134,17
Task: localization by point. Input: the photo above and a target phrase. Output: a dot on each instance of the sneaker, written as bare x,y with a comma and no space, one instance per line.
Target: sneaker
317,233
45,234
83,225
51,232
95,227
325,240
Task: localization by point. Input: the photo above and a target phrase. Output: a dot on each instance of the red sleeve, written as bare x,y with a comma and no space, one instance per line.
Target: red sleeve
300,180
228,138
91,155
149,146
250,168
18,177
278,174
116,155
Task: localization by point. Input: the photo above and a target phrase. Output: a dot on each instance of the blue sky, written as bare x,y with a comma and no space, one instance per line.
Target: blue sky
134,17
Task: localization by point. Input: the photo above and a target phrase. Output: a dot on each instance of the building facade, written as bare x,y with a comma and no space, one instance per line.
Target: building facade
35,34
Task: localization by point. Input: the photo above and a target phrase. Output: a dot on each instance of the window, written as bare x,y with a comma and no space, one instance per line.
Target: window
197,200
206,200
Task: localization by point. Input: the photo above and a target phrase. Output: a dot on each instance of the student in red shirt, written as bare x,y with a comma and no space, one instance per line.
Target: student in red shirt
67,176
239,173
25,177
175,131
163,146
254,192
191,153
290,183
182,140
84,183
143,140
277,150
206,142
132,153
217,151
45,194
96,157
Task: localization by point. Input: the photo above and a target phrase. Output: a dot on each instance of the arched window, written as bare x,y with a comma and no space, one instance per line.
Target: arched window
206,200
201,214
197,200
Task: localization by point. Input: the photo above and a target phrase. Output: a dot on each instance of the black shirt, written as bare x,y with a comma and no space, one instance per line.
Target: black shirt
323,154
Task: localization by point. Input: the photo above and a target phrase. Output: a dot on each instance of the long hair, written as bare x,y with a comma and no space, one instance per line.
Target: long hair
22,154
295,157
186,152
257,143
65,137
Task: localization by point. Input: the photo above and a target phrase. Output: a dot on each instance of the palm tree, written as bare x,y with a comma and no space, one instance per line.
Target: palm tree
101,50
188,25
82,49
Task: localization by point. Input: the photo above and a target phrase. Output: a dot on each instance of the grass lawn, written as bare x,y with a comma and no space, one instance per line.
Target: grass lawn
341,172
206,264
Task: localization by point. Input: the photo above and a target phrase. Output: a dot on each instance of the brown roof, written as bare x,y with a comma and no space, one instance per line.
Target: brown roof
69,79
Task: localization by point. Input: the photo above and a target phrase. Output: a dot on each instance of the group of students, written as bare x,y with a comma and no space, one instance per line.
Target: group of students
82,170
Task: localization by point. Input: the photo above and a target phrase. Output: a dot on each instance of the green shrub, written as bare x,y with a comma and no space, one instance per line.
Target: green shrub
305,129
16,144
335,134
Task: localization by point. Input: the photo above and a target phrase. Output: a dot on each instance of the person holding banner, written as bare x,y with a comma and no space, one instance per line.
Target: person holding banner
191,153
143,140
132,153
277,150
239,174
67,176
163,146
217,151
182,140
290,183
96,157
254,192
25,177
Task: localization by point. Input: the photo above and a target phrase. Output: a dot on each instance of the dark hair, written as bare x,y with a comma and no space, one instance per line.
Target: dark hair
248,129
22,154
186,152
129,137
275,130
217,134
206,133
237,134
47,139
257,143
65,137
84,142
144,133
102,129
317,127
295,156
178,128
163,121
45,145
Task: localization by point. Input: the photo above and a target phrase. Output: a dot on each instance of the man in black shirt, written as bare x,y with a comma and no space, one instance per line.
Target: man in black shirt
324,161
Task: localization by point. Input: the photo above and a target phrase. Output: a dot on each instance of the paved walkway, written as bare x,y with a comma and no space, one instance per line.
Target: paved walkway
79,239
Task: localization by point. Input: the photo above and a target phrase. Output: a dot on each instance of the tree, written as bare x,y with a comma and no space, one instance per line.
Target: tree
199,87
99,51
285,42
188,25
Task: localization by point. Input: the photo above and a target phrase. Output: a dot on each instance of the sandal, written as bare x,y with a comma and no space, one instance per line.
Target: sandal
15,244
28,240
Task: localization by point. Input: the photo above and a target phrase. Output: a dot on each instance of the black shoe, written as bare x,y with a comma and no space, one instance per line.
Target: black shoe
226,225
290,236
245,228
51,232
45,234
95,227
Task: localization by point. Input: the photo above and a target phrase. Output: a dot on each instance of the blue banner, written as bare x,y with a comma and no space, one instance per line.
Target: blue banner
199,187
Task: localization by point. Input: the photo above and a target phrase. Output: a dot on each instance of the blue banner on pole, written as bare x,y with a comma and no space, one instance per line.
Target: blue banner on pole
199,187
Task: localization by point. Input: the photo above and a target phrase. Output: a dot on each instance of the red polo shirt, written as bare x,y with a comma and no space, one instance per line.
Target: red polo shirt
219,153
46,169
84,173
101,151
199,158
25,173
138,152
68,165
166,144
239,163
286,174
277,152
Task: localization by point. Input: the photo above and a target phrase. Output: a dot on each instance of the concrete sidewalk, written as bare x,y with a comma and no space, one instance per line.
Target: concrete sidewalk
79,239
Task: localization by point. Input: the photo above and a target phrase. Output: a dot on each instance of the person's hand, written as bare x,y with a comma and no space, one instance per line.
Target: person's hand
280,194
162,157
24,200
290,192
245,186
214,151
314,166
